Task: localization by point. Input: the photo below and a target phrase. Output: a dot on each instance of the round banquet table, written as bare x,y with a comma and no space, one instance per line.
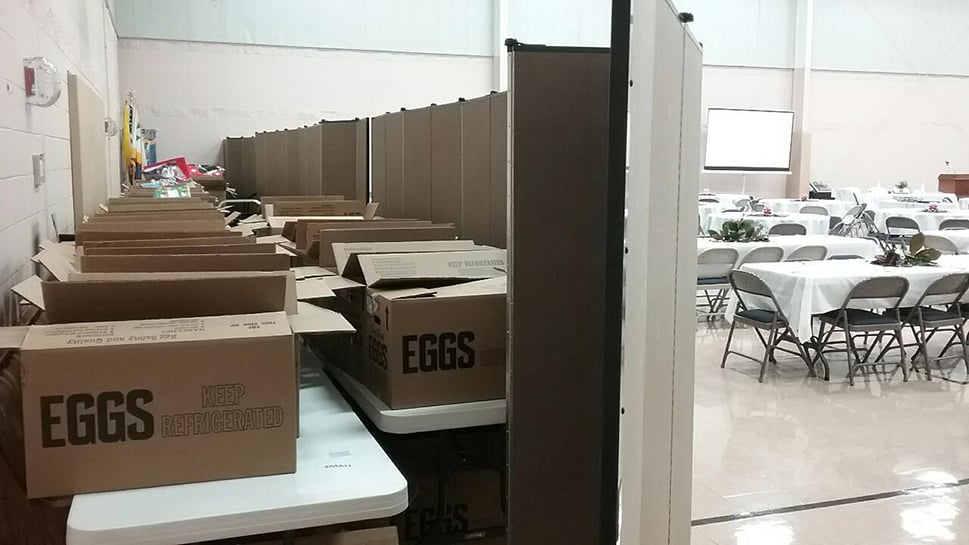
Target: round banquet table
928,221
794,206
815,224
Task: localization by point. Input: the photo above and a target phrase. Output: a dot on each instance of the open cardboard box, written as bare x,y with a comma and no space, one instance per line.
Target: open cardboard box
320,208
304,232
346,254
169,389
185,262
323,239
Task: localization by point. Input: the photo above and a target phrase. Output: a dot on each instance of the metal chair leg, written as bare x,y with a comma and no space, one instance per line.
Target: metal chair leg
848,349
901,358
925,351
726,349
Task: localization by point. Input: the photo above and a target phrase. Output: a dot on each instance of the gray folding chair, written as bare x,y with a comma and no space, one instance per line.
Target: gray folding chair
713,264
833,223
925,321
941,244
844,257
742,203
808,253
709,200
771,320
786,229
893,223
763,254
757,207
857,320
954,224
813,209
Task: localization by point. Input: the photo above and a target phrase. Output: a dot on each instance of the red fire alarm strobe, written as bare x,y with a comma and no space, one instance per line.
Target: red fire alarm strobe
40,82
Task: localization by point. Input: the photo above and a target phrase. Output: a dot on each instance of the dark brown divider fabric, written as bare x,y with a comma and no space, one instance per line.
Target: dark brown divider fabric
310,142
446,164
499,171
394,165
476,170
417,163
246,184
378,163
340,158
557,314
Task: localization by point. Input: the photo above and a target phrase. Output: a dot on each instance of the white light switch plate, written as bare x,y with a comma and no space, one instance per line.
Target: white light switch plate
40,172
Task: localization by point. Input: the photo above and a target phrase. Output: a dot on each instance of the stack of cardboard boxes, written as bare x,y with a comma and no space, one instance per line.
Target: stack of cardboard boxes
168,354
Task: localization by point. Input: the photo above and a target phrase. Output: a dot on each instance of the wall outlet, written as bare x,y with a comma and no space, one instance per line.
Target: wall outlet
40,171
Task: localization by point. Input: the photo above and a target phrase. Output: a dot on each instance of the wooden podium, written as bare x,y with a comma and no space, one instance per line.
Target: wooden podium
954,183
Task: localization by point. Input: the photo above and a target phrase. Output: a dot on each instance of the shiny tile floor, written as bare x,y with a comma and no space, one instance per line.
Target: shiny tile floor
796,440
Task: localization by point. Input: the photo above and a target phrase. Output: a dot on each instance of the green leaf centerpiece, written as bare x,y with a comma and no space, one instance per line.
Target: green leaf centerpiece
739,231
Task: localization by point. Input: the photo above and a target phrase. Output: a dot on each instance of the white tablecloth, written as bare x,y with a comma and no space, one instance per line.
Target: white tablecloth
964,204
836,245
794,206
724,198
928,221
877,200
705,209
804,289
815,225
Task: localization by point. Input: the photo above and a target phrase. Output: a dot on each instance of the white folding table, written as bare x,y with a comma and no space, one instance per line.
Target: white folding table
420,419
342,476
814,224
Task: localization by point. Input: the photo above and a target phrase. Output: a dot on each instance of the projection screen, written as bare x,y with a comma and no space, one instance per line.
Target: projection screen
749,140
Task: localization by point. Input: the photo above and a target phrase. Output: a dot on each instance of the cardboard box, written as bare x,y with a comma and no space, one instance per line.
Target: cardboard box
273,199
190,249
185,262
473,504
175,215
220,240
326,237
307,231
214,224
437,347
159,297
346,255
83,238
428,269
116,405
321,208
158,205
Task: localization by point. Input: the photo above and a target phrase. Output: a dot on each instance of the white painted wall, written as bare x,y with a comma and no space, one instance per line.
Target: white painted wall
77,36
197,93
887,84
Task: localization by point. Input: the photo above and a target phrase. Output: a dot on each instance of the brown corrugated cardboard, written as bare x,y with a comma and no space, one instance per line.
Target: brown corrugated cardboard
150,397
86,237
437,350
55,263
203,241
345,255
384,270
176,215
273,199
327,237
158,205
183,263
176,250
30,290
319,208
158,225
474,503
107,300
306,231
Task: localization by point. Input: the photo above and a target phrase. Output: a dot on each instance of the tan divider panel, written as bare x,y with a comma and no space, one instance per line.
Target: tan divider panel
340,158
362,157
559,191
394,165
232,155
310,142
378,163
417,163
261,147
476,170
446,164
499,170
247,185
291,166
